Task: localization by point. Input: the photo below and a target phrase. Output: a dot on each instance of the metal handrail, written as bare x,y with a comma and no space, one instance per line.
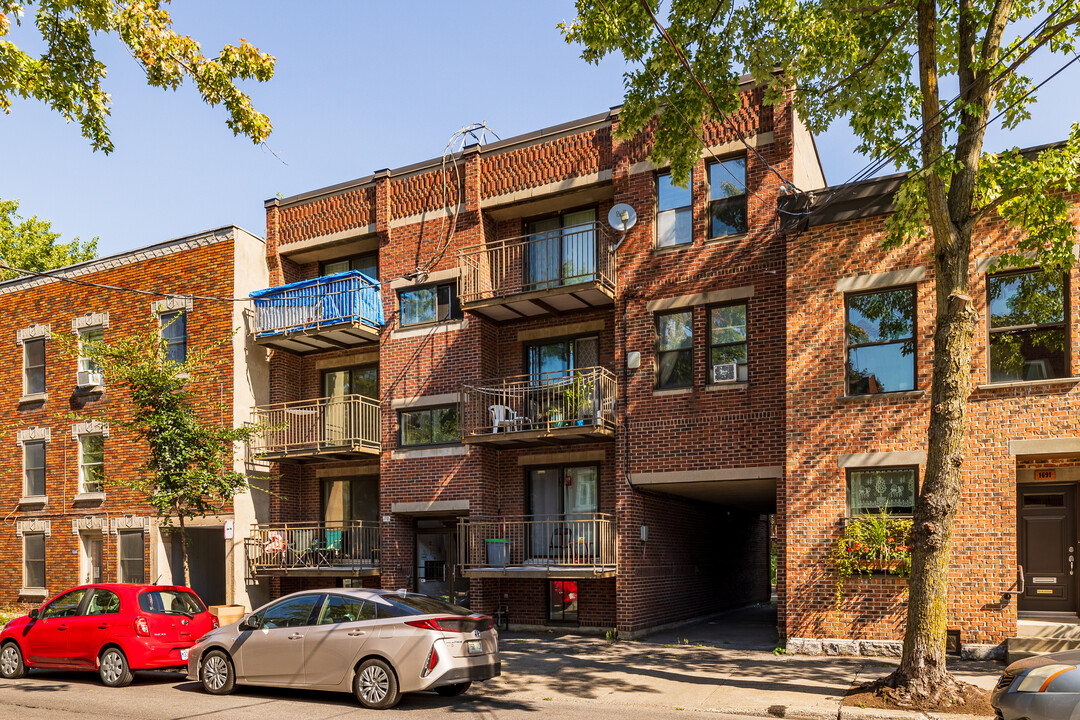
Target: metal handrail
571,540
349,544
348,297
540,261
540,401
342,421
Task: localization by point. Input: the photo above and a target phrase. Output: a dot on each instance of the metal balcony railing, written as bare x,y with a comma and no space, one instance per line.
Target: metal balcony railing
309,305
349,545
573,540
542,261
344,422
565,399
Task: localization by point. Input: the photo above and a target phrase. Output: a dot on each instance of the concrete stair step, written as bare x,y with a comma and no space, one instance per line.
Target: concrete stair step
1018,648
1039,628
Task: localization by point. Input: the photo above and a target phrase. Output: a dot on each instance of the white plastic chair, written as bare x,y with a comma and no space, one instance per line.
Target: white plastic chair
506,417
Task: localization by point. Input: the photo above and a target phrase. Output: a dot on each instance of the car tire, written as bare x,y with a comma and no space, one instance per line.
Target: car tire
453,690
114,669
11,661
375,685
217,674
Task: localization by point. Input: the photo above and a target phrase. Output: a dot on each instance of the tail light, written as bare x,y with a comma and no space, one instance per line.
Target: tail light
141,626
214,624
432,661
453,624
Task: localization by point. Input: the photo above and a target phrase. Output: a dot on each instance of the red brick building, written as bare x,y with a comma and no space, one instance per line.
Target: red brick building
69,518
480,389
859,340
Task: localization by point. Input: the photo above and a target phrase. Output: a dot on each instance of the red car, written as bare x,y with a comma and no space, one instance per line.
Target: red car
114,629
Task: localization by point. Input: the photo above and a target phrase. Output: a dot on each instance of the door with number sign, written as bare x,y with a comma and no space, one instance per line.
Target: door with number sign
1047,536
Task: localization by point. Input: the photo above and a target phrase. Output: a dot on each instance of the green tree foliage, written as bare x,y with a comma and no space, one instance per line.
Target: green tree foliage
189,467
885,67
68,75
30,244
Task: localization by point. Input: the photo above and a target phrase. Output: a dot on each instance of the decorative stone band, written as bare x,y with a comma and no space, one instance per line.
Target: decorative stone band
130,522
33,433
90,427
33,525
89,524
881,648
90,320
172,303
32,333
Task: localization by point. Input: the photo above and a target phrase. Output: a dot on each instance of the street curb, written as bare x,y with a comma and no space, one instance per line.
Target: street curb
842,713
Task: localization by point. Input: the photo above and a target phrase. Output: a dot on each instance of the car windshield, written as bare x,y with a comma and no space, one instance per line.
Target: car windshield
171,602
410,604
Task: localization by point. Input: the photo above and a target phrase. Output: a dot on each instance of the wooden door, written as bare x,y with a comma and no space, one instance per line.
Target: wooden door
1047,534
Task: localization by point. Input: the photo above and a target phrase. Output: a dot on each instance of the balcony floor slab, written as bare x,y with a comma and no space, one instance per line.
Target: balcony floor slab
555,572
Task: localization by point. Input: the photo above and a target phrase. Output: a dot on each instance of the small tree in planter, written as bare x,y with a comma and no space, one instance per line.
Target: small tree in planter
872,543
579,397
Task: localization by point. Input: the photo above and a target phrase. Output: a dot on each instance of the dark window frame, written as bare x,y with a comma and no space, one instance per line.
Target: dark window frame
527,347
742,199
350,259
121,558
169,320
913,338
745,304
1065,324
350,369
453,304
658,353
431,409
562,467
687,208
849,472
44,467
34,372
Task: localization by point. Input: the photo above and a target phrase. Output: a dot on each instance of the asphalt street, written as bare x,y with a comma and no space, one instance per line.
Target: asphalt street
46,695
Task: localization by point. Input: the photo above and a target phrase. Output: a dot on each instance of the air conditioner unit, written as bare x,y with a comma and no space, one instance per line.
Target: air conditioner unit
86,378
725,372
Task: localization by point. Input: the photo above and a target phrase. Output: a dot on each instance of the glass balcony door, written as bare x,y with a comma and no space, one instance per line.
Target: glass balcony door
562,503
341,419
561,250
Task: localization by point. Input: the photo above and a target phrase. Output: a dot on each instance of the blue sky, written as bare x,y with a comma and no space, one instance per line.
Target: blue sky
359,86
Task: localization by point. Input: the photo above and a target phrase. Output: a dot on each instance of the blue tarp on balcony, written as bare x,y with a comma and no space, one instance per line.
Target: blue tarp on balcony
349,297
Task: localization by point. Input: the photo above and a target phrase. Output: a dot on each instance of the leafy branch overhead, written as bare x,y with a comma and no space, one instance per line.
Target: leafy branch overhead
30,243
68,74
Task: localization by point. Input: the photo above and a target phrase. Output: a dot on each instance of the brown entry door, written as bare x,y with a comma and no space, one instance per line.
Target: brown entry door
1048,547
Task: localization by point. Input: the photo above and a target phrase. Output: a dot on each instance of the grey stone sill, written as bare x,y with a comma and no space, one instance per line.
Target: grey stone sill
34,500
672,248
431,328
41,593
34,397
735,385
870,397
90,390
88,497
444,451
1027,383
673,391
721,239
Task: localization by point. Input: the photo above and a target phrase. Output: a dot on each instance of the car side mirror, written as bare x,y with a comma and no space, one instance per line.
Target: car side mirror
34,614
251,622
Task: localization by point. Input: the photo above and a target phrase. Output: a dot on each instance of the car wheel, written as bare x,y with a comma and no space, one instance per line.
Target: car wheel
218,677
11,661
375,685
453,690
113,668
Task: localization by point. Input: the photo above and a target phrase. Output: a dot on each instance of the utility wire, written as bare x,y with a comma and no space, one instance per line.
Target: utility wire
118,288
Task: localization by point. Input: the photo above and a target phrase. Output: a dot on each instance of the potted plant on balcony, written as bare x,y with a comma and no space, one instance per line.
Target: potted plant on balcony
872,544
579,398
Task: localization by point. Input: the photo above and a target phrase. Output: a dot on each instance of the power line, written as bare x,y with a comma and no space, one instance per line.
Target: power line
118,288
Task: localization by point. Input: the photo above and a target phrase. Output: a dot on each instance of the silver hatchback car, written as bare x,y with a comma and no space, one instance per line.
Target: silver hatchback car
377,644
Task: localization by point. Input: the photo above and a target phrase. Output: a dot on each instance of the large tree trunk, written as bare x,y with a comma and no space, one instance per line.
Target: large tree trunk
183,551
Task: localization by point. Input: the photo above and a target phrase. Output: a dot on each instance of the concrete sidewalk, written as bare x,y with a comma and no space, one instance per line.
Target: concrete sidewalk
724,666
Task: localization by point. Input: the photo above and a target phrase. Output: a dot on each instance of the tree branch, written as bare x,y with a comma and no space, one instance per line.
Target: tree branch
874,9
870,61
980,213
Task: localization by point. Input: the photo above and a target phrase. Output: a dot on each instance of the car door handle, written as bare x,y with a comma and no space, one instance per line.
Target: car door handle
61,627
357,633
104,626
295,636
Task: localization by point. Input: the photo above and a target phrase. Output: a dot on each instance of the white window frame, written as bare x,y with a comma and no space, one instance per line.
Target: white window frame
44,560
44,468
27,367
83,488
85,559
85,363
675,212
120,534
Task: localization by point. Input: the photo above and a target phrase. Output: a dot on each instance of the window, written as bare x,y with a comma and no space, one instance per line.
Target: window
34,468
34,561
170,602
727,197
174,330
675,349
92,336
359,380
33,366
346,500
91,463
429,304
560,250
554,360
368,263
881,342
132,551
1027,326
727,341
93,556
294,612
430,426
674,215
341,609
67,605
103,602
878,490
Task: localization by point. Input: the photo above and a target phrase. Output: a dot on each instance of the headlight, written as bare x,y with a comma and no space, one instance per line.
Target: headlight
1039,678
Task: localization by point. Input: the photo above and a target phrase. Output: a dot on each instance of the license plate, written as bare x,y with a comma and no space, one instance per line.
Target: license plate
184,654
474,646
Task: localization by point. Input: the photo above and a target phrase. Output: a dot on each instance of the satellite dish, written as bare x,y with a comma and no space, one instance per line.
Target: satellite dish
621,217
